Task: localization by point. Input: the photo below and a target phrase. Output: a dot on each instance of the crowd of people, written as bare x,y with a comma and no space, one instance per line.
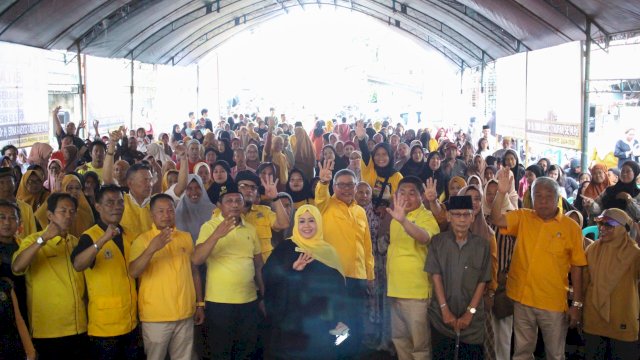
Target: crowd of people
252,238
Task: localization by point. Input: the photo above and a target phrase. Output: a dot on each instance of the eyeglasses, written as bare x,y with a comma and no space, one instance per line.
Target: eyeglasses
606,225
247,187
345,186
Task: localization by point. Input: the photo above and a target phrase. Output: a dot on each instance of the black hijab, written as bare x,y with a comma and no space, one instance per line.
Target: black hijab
437,175
609,200
412,168
388,170
227,154
216,190
518,172
303,194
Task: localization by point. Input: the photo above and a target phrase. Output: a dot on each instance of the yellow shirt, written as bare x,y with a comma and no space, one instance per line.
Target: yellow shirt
542,258
112,293
262,218
55,290
346,228
303,202
91,168
136,219
406,257
368,174
230,267
166,291
27,220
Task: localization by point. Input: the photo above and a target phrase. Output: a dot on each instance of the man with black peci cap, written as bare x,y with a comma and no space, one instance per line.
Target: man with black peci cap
7,192
459,263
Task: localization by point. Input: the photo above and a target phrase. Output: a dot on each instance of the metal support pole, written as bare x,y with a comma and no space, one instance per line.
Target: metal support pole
81,88
131,93
197,86
585,97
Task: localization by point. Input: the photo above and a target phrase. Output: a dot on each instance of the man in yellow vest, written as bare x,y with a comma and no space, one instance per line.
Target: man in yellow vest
103,255
55,292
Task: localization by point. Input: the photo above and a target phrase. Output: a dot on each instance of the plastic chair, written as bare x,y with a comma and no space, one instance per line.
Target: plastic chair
591,230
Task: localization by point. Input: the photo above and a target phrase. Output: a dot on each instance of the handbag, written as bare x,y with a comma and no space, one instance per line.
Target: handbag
502,304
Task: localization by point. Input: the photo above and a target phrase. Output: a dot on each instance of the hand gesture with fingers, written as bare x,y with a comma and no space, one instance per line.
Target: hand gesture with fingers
82,125
270,188
505,180
224,228
398,212
360,131
56,110
303,260
161,240
326,171
430,190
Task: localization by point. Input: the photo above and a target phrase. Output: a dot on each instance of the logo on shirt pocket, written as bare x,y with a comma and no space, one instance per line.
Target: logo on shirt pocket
108,254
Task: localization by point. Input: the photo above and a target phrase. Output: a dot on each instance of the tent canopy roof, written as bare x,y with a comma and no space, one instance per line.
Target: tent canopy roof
181,32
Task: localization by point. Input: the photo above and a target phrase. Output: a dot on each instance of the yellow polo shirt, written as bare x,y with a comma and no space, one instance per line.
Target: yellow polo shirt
230,267
136,219
27,220
263,219
406,257
166,291
91,168
542,258
55,290
346,228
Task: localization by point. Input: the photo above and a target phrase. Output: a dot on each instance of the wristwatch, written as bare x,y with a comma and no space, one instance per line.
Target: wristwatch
472,310
40,241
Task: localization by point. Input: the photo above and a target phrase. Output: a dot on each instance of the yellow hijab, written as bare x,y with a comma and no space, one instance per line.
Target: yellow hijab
84,215
165,179
316,246
34,200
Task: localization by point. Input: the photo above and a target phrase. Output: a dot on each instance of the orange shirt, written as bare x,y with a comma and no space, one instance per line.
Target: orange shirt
542,258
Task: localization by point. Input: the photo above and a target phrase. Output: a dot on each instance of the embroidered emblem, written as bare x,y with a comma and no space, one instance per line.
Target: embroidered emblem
623,326
3,296
108,254
259,215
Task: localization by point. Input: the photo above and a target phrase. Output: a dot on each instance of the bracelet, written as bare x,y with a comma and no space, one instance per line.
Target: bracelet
442,306
200,304
96,246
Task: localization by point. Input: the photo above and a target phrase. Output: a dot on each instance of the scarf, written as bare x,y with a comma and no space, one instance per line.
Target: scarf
608,261
157,151
594,190
304,153
479,226
84,214
35,200
507,205
316,246
609,200
303,194
227,154
456,179
413,168
39,155
388,170
51,183
215,190
165,179
191,215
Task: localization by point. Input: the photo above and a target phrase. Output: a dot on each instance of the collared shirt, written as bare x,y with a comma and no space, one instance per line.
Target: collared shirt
542,258
462,269
90,167
55,290
166,291
345,227
263,219
27,219
406,257
230,266
136,218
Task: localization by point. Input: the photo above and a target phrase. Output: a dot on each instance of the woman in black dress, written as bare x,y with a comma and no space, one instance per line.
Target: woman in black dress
304,287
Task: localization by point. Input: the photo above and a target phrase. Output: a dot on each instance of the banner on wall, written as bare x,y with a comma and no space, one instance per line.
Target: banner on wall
554,96
24,119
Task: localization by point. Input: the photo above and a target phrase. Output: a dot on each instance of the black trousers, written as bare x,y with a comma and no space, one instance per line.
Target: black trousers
444,348
232,329
127,346
604,348
74,347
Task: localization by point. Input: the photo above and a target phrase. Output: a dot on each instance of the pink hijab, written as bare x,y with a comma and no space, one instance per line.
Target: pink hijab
39,155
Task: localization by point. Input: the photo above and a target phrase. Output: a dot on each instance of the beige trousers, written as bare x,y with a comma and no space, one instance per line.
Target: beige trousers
527,320
176,337
410,331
